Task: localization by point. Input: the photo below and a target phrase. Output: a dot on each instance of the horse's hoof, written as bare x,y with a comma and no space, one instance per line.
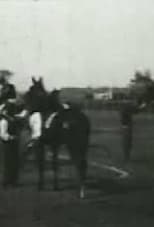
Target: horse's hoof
82,193
82,196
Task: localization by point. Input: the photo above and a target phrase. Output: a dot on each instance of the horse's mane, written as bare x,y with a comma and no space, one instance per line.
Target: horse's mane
39,99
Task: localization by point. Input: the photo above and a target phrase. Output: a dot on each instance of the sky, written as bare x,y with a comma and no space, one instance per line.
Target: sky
76,42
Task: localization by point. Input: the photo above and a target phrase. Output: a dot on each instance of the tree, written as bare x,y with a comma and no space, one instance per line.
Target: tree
142,86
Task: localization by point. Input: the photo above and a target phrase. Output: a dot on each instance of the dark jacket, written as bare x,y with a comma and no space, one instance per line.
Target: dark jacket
7,92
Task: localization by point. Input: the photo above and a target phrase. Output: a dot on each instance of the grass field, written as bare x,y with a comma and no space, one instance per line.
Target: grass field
110,137
110,200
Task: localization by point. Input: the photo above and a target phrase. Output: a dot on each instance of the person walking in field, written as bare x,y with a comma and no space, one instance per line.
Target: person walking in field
126,115
9,135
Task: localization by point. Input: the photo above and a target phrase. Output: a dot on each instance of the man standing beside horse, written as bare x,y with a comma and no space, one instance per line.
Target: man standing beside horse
8,130
9,134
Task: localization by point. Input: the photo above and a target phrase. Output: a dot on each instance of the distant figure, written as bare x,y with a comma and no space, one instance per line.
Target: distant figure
9,134
126,114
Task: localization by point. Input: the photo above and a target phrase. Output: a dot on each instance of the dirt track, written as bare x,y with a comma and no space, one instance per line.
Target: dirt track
108,203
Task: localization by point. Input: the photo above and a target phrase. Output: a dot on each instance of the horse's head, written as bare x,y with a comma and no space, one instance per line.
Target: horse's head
36,95
37,87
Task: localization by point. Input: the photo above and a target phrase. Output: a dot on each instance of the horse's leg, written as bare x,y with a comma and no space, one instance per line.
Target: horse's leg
41,168
40,156
25,151
82,171
79,157
55,168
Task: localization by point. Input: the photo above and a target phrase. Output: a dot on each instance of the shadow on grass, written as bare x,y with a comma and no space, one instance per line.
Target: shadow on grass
110,186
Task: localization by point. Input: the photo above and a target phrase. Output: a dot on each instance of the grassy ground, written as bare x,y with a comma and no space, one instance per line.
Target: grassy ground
110,201
108,142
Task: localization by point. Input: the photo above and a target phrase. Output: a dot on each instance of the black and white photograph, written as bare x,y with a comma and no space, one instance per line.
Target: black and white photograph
76,113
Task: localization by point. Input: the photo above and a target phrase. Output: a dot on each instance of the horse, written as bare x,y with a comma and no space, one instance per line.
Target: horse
60,125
